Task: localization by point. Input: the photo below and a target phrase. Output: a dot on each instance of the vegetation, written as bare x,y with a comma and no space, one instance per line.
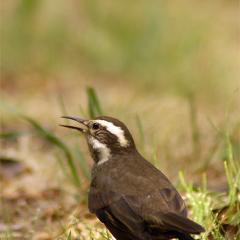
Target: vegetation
167,69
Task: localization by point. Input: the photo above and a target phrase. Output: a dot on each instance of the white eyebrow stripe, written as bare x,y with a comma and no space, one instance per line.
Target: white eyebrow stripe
115,130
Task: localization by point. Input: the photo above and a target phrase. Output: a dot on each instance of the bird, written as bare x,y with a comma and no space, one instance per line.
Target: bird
130,196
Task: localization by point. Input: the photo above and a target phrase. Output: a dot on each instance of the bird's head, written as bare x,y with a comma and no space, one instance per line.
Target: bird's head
106,136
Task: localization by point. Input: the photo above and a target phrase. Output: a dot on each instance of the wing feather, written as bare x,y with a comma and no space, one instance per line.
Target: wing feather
123,222
174,221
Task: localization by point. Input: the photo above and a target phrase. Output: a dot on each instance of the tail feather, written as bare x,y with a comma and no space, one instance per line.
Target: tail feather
182,224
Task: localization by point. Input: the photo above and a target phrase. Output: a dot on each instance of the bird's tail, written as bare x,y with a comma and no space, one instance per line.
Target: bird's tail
182,224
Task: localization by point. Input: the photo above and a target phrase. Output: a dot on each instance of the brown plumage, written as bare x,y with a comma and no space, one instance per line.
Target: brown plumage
128,194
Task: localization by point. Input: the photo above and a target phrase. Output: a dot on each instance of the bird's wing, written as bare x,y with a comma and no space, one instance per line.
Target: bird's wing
165,199
136,214
165,210
126,221
146,201
121,219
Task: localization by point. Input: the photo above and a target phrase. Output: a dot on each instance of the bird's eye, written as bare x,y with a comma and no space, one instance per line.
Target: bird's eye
95,126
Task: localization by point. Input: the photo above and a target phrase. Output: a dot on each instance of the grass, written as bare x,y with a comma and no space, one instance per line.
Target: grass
206,207
161,67
94,107
55,141
201,201
73,156
145,45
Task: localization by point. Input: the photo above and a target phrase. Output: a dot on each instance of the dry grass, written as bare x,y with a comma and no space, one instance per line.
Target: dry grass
44,191
168,70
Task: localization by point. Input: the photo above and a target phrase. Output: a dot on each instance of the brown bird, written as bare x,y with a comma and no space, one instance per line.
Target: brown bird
128,194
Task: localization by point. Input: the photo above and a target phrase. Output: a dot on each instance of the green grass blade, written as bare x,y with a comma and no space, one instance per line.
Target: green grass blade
53,139
232,171
140,130
194,125
11,135
183,183
69,237
83,163
94,107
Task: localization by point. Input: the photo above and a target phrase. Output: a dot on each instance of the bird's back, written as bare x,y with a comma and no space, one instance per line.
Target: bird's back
132,196
137,178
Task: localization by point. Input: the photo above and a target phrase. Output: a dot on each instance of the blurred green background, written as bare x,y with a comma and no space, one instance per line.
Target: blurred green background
173,66
170,70
181,46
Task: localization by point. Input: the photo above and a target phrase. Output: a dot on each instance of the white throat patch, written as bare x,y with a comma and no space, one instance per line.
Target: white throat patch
115,130
104,151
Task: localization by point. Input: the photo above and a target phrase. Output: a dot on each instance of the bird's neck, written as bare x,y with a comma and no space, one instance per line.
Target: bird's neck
104,154
101,156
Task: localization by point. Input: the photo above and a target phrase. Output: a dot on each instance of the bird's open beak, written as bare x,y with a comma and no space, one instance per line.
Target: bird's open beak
79,120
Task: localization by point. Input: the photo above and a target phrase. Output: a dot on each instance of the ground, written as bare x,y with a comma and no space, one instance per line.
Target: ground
169,70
